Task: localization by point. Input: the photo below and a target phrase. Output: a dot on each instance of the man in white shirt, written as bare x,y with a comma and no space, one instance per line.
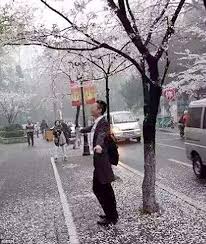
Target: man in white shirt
103,173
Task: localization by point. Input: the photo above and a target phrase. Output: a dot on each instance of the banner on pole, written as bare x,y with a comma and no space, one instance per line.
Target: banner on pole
89,93
75,93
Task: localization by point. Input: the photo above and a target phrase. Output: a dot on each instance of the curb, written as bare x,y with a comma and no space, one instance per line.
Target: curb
183,197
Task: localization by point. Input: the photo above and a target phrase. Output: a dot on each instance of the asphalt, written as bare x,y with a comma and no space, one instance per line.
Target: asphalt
173,167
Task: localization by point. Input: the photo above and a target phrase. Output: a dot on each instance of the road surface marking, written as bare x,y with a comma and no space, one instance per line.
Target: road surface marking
183,197
196,145
166,145
168,139
73,237
180,162
168,133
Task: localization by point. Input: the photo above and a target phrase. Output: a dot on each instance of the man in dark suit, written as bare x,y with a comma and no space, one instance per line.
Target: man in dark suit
103,174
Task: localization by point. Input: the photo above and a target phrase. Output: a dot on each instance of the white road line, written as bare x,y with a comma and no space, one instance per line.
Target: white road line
183,197
168,133
73,237
168,139
166,145
180,162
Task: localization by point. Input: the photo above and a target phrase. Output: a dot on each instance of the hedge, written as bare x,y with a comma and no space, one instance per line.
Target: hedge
12,133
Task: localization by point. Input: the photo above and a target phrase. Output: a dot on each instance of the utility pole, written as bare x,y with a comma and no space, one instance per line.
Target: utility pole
86,150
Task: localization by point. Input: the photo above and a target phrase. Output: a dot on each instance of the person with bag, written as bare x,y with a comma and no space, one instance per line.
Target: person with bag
103,174
67,131
30,133
59,140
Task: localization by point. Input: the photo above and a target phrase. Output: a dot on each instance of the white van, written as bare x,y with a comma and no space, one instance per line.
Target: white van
125,126
195,136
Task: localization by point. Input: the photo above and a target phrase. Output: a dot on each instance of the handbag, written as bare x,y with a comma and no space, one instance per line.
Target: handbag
62,139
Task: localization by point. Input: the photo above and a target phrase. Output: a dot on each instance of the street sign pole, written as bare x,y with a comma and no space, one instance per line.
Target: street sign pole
86,150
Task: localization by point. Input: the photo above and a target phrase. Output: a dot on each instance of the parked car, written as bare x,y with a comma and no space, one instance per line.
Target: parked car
125,126
195,136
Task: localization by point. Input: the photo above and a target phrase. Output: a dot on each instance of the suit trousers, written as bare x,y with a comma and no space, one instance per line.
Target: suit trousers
30,138
106,198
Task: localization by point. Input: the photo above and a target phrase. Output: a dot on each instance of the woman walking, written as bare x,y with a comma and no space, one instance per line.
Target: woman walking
59,141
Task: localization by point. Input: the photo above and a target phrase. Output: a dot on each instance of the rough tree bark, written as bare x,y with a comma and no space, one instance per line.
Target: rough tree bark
152,94
204,3
107,97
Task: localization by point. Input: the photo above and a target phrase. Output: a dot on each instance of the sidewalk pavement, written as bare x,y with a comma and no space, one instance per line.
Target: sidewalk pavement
178,223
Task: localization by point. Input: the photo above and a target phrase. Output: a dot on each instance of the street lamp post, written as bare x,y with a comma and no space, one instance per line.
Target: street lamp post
86,150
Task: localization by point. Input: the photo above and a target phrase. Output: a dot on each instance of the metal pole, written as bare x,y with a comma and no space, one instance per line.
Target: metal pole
86,150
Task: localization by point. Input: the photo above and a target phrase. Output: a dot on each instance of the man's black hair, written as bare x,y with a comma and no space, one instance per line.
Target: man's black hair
102,105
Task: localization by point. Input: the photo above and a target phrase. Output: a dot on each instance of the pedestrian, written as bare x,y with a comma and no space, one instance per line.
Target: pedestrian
67,131
43,127
77,141
103,173
183,122
30,133
59,140
37,129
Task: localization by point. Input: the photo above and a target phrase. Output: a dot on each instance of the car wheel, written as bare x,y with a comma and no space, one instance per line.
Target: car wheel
198,167
138,139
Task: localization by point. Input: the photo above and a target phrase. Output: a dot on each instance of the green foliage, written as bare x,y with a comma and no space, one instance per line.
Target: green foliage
132,92
12,127
11,134
10,131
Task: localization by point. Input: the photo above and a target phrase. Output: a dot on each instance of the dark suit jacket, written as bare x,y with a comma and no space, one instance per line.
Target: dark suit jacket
102,167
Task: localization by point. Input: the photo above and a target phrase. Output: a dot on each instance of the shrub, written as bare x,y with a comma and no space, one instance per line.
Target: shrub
11,133
13,127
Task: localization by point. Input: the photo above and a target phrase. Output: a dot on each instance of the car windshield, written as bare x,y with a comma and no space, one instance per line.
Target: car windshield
124,118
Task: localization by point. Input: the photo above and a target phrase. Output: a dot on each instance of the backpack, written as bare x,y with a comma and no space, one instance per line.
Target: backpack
112,150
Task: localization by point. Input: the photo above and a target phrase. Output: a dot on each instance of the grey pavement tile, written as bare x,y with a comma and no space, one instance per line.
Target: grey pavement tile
178,222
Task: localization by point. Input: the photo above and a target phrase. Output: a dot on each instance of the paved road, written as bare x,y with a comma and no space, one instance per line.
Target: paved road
173,168
30,209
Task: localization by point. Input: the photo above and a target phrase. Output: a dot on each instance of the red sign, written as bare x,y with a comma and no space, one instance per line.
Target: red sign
89,93
75,93
169,93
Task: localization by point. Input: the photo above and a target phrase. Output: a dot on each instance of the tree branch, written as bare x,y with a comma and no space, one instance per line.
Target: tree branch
132,17
135,37
204,1
166,69
52,47
122,7
155,22
170,30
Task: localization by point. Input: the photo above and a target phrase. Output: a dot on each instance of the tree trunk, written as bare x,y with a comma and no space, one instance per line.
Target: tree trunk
107,98
152,94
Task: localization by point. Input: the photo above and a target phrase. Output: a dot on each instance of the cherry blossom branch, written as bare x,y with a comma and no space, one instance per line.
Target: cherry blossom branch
170,30
156,21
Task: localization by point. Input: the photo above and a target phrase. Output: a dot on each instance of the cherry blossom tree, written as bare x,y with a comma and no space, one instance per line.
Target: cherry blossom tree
193,79
120,27
13,104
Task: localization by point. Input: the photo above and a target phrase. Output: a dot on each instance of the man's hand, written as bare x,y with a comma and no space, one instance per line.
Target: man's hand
98,149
